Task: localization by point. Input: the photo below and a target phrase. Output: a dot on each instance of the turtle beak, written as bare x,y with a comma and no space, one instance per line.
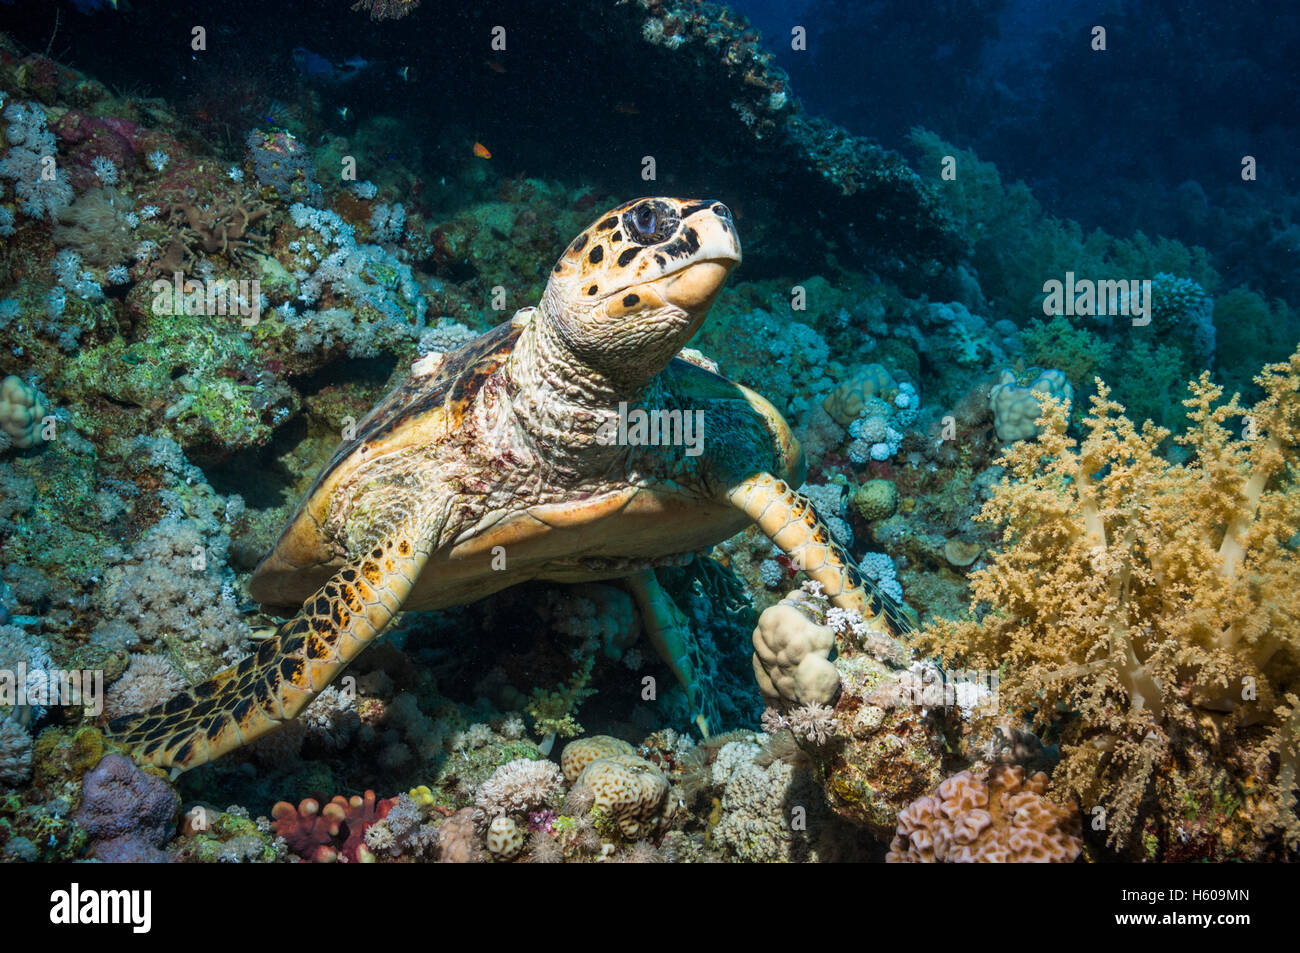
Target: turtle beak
694,287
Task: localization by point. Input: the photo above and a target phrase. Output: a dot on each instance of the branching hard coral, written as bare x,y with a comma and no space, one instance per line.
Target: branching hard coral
1145,611
552,711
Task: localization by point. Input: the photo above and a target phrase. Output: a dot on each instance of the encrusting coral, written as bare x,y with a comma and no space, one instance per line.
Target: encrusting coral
1145,613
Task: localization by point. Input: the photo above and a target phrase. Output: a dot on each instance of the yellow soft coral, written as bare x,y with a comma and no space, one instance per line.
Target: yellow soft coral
1146,611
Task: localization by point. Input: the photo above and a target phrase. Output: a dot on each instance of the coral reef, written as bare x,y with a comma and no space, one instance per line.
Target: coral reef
520,786
1144,612
1132,587
148,680
15,753
505,838
210,836
578,754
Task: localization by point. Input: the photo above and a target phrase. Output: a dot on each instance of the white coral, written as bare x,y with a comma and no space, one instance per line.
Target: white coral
519,786
149,680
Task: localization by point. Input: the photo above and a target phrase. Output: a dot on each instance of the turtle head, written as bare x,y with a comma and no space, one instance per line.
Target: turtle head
631,290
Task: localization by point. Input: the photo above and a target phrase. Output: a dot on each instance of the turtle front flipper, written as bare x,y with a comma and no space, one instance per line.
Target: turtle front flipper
791,522
287,671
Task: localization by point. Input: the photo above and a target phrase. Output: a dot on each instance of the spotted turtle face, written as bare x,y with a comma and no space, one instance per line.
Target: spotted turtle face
632,289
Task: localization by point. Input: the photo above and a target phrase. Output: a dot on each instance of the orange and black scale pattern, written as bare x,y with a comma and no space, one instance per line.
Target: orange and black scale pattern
287,671
789,519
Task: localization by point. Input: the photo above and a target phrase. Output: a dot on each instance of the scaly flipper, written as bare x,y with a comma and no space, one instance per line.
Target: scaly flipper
287,671
670,633
790,521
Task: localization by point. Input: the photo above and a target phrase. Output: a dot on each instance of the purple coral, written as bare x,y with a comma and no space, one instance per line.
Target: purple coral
129,814
283,162
543,821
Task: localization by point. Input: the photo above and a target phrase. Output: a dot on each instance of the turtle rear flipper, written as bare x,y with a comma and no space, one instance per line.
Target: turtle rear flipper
287,671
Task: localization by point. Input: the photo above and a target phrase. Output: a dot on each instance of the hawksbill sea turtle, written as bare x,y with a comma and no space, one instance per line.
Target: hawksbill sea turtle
505,461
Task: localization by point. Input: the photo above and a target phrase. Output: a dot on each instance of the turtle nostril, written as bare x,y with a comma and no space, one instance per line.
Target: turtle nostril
722,212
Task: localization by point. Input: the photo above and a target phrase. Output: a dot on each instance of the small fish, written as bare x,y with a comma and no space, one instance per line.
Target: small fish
495,66
343,113
481,151
627,109
404,74
321,71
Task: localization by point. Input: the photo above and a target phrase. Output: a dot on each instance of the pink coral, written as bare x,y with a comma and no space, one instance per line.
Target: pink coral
335,832
971,820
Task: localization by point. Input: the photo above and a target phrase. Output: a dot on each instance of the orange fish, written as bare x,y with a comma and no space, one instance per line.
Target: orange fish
495,66
481,151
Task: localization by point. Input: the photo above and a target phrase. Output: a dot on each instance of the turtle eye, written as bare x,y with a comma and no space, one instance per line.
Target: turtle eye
649,222
644,220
